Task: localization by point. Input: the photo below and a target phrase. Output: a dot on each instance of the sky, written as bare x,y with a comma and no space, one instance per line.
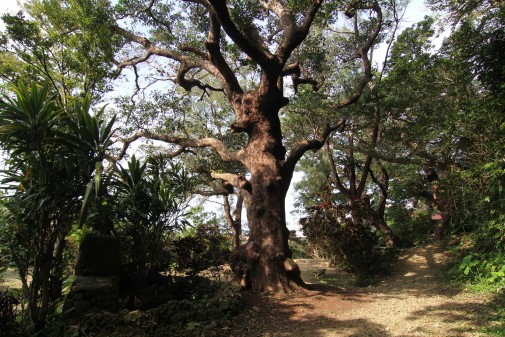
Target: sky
8,6
415,12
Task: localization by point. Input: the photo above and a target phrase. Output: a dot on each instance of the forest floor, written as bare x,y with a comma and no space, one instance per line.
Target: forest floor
414,301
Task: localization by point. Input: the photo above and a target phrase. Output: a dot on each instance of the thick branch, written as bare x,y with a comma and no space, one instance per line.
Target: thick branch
295,71
197,60
190,83
185,143
237,180
150,49
293,34
334,173
216,189
362,53
313,144
217,59
255,49
383,185
369,158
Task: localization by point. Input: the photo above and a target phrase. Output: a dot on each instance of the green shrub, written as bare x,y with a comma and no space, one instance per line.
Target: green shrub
8,313
200,249
412,228
356,248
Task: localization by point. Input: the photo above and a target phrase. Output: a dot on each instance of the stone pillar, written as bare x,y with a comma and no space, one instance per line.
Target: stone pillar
96,284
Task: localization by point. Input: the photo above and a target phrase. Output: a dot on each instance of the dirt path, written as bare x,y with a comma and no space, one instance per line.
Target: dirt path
412,302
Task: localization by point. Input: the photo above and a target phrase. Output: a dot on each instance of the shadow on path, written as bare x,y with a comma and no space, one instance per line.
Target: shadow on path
415,301
305,316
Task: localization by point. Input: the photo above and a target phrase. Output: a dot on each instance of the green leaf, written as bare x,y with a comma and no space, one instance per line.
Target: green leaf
98,177
85,201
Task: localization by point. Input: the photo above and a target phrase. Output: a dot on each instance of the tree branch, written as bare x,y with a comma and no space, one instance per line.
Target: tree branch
216,190
295,71
237,180
184,143
254,47
368,161
216,57
334,173
313,144
362,53
293,34
186,63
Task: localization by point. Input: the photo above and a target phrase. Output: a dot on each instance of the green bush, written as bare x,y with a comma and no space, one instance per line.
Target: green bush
356,248
490,268
200,249
298,246
412,228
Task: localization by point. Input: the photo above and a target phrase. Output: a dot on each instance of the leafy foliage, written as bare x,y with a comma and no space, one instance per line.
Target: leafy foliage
200,249
46,47
355,249
47,174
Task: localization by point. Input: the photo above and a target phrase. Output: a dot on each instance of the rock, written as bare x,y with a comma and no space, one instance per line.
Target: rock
99,255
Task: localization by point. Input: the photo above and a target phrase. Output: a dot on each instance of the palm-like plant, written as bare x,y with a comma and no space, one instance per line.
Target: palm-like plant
28,125
92,135
51,159
149,202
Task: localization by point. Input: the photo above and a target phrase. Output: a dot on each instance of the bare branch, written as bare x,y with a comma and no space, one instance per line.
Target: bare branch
313,144
397,19
362,52
148,10
184,143
237,180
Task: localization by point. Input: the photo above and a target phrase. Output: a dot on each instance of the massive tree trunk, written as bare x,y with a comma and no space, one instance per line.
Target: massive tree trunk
265,263
441,204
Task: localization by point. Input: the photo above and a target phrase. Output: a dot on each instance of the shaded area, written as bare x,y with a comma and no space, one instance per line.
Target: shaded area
418,273
305,315
488,317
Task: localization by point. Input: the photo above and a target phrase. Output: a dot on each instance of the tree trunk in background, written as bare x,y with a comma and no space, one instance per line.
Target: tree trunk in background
442,205
234,219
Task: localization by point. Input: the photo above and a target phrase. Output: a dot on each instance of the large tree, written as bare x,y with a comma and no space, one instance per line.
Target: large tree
243,50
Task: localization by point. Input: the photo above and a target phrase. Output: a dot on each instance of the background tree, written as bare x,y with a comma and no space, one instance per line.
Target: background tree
38,48
474,46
